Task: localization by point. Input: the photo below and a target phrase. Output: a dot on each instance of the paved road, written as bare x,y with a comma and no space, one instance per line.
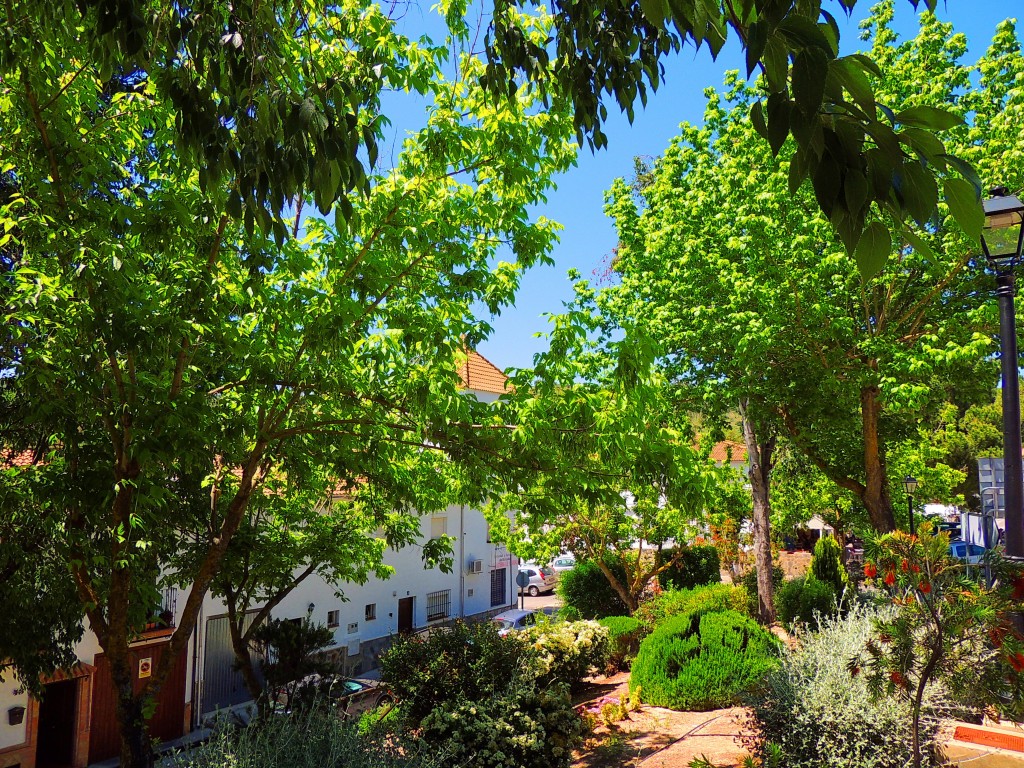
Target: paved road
540,601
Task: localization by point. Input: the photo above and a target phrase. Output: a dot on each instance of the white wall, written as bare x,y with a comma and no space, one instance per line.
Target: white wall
11,695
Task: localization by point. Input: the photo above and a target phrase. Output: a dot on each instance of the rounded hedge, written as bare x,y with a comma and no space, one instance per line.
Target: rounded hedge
588,594
805,599
624,635
702,661
677,602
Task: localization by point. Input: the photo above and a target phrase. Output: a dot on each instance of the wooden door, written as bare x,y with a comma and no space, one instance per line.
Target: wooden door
57,721
168,721
405,614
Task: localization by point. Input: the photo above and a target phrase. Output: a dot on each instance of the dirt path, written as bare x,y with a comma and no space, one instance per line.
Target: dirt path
653,737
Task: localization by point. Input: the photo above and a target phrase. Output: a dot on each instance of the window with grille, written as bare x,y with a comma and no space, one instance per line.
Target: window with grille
499,592
439,605
333,619
371,611
438,527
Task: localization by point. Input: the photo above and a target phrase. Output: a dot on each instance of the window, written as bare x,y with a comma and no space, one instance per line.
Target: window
333,619
371,611
352,628
499,591
438,527
439,605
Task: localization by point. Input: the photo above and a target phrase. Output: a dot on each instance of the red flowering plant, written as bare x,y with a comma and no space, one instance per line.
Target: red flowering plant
942,627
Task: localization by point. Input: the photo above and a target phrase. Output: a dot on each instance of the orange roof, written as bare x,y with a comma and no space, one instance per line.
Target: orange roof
723,450
11,458
479,373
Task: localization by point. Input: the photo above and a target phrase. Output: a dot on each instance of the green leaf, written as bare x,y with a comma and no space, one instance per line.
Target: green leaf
873,250
929,117
919,244
655,11
809,72
965,204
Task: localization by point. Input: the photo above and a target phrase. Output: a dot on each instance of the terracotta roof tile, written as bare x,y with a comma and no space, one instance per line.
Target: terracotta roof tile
11,458
723,450
479,373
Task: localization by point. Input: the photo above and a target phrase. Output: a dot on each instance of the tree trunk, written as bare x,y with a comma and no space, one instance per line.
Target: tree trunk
759,452
620,589
243,654
136,747
876,487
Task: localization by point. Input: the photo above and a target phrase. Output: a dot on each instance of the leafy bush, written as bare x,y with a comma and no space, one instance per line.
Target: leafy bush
750,584
822,716
676,602
468,661
567,651
490,701
805,599
697,566
827,566
523,727
702,661
312,739
588,594
624,637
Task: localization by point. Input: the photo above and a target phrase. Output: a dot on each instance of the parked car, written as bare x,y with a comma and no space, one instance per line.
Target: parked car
542,579
349,696
563,563
514,621
971,554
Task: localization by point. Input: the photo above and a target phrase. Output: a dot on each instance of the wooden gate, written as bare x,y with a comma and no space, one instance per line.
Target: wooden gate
167,722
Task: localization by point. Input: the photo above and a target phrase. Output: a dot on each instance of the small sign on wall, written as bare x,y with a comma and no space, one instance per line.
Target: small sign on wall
145,667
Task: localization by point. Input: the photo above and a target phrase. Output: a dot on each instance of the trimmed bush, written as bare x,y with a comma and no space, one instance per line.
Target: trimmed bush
750,584
567,651
821,716
805,599
702,661
624,638
588,594
715,597
827,566
697,566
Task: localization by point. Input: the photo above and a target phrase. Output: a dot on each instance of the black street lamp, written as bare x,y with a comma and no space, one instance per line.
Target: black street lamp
1002,243
910,485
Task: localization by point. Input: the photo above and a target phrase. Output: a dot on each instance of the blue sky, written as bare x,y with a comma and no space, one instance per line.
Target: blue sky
577,204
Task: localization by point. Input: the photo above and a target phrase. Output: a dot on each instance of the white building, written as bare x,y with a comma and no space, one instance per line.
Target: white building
74,723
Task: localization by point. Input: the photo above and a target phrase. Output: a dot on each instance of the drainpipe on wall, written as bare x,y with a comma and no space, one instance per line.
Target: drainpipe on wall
462,561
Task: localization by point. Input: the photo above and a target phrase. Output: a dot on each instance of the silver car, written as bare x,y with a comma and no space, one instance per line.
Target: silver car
542,579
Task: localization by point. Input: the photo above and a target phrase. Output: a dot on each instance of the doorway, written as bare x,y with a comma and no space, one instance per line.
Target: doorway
405,614
56,739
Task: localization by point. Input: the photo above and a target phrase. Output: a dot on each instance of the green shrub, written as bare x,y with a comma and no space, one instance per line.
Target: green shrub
624,637
827,565
490,701
522,727
750,584
696,567
312,739
702,661
715,597
466,661
823,717
586,590
805,599
567,651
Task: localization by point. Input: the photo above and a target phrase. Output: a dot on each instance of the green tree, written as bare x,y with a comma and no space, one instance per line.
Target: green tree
617,475
851,140
752,289
174,348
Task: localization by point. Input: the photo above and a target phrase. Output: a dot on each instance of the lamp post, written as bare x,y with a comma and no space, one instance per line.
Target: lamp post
1002,243
910,485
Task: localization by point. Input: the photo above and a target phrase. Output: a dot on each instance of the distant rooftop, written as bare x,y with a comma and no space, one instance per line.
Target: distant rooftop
479,373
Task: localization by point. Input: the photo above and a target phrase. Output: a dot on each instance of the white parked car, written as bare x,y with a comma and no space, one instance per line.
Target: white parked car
514,621
971,554
563,563
542,579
